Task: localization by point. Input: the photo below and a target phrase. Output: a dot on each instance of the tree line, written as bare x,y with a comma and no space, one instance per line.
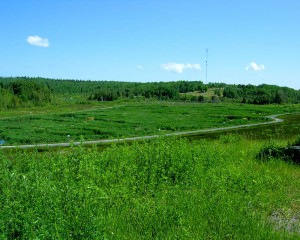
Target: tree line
262,94
28,92
23,93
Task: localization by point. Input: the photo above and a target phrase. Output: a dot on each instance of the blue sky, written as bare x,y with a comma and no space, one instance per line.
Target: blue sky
248,42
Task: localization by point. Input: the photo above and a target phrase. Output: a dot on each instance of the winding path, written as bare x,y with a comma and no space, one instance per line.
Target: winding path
68,144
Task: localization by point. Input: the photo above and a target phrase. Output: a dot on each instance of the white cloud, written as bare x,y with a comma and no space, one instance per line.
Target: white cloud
255,67
140,67
179,67
38,41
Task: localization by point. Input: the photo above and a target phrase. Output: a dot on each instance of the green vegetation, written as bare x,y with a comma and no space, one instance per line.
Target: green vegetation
163,189
119,120
20,93
262,94
101,90
235,184
289,153
29,92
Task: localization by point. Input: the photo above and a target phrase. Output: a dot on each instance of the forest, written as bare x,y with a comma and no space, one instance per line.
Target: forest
18,92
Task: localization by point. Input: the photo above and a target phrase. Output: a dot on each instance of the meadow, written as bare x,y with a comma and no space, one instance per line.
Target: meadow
94,121
200,187
167,188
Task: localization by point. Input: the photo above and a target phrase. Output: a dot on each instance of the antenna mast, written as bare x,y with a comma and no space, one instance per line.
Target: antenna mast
206,64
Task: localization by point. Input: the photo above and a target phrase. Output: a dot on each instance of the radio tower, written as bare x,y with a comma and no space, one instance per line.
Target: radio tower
206,64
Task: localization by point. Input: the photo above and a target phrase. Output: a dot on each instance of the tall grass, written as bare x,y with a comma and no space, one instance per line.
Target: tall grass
163,189
104,121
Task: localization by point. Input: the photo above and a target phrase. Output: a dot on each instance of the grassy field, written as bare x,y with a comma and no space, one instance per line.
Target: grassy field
166,188
288,129
116,120
162,189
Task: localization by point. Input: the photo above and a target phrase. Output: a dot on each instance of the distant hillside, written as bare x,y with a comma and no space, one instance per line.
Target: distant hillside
24,91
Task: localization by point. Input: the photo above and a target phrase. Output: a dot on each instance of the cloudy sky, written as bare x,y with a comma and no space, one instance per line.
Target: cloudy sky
248,42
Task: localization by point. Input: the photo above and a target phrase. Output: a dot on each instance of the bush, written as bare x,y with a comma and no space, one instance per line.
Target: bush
288,153
270,151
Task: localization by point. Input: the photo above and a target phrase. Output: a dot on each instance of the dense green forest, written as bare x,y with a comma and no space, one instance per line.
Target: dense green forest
29,92
20,92
262,94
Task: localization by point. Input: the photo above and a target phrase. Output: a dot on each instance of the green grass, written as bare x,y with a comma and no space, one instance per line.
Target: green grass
117,120
286,130
163,189
167,188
